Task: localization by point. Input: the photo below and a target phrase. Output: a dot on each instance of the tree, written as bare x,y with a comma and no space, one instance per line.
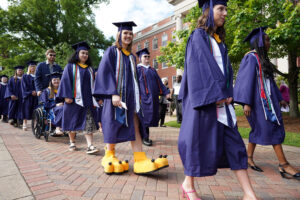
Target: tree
30,27
281,16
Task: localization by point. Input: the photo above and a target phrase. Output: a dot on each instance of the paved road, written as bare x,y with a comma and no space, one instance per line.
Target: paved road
33,169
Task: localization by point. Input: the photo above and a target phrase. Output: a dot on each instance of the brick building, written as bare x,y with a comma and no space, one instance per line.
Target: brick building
154,37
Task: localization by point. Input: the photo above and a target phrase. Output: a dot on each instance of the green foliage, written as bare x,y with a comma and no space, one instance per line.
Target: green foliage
30,27
281,16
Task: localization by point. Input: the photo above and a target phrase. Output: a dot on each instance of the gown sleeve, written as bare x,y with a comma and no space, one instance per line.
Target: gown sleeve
25,85
65,89
105,83
204,82
244,88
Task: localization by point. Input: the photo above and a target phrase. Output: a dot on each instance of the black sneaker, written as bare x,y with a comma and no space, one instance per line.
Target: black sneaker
147,142
91,149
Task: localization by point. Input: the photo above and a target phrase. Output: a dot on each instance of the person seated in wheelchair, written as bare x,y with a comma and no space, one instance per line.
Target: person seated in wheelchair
54,109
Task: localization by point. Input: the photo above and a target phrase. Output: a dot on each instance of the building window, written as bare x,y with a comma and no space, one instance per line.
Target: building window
164,40
155,64
146,44
155,43
139,47
173,80
164,65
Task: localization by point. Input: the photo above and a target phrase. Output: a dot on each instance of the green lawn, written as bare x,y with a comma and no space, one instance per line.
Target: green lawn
292,139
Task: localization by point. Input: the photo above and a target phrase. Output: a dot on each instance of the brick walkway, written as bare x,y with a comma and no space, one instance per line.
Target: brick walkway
52,172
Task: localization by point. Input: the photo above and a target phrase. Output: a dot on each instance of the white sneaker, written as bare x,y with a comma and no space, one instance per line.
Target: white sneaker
91,149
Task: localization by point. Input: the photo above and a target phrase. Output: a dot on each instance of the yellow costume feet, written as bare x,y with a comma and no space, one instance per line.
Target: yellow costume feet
162,162
142,164
112,165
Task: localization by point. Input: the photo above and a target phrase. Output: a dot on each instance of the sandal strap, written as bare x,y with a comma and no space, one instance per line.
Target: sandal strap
284,164
192,191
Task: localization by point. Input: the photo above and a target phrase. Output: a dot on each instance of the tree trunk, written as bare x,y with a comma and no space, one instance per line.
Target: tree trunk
293,83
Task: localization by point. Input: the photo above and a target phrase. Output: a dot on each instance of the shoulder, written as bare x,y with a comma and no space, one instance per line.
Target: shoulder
41,64
249,57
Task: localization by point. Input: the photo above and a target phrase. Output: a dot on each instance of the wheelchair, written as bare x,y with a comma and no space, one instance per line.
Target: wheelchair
41,123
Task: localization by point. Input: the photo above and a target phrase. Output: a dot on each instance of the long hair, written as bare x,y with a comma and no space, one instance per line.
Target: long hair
16,76
117,43
52,93
267,66
75,59
28,69
210,30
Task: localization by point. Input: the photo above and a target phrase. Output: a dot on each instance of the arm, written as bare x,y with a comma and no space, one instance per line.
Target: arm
65,89
38,77
245,84
105,83
205,86
25,86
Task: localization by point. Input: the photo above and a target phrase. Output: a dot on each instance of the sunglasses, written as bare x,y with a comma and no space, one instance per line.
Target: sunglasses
146,56
52,55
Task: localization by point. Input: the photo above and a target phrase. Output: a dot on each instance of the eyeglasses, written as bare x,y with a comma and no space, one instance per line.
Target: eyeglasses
52,55
146,56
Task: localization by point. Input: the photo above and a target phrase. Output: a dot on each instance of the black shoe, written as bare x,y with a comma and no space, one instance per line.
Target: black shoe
147,142
287,175
254,167
4,119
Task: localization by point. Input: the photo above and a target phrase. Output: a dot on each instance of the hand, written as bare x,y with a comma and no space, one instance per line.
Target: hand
13,97
116,100
229,100
221,102
59,104
33,93
100,102
39,93
68,100
247,110
168,96
283,103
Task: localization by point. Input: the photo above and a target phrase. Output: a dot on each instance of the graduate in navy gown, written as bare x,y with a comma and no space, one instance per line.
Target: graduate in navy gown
209,137
151,88
29,93
117,87
48,98
257,91
14,94
79,109
3,101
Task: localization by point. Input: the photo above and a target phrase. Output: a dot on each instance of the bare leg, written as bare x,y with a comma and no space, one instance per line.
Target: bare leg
72,137
251,148
282,160
137,144
188,186
89,139
244,180
110,147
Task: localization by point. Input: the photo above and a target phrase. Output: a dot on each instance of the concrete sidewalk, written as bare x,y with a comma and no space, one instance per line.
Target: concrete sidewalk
34,169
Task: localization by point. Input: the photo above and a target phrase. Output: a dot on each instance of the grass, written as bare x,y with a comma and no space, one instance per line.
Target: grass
291,139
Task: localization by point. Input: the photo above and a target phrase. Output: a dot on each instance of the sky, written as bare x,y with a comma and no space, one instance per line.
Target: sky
143,12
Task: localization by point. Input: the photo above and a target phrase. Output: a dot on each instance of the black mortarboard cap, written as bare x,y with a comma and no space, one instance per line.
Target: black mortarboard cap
255,33
54,75
32,62
19,67
81,46
142,52
124,25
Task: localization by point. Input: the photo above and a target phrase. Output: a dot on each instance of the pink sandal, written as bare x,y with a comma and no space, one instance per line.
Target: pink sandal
185,193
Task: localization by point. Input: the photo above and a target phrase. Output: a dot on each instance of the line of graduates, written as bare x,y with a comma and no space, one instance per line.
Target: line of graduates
126,95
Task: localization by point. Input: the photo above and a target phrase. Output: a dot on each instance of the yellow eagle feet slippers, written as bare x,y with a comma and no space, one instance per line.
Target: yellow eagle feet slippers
113,165
162,162
142,164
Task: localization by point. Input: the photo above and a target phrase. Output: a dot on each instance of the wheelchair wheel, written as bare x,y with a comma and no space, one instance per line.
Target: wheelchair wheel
37,123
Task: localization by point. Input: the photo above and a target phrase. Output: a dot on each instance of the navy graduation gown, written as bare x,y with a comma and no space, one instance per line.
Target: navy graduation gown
14,106
3,101
74,116
205,144
50,103
105,87
30,102
246,91
151,87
